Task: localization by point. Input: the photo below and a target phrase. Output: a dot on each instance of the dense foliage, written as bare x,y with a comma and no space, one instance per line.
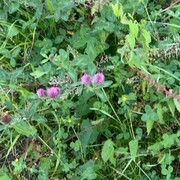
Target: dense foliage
89,89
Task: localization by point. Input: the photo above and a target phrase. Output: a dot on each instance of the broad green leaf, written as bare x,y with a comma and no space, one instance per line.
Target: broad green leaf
107,83
82,61
149,125
3,174
16,52
131,40
4,75
89,173
44,164
133,147
5,177
124,20
88,170
168,140
132,97
72,73
133,29
117,10
16,73
108,152
44,61
13,31
24,128
101,95
160,113
59,39
93,48
14,6
63,55
97,122
5,52
155,148
147,37
13,62
38,73
49,5
92,69
177,104
90,136
150,114
3,14
38,118
171,106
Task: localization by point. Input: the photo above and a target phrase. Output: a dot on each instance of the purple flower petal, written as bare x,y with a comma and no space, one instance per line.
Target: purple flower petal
53,92
98,78
86,79
41,92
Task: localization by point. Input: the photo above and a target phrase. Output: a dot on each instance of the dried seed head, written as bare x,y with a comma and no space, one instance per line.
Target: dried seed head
6,118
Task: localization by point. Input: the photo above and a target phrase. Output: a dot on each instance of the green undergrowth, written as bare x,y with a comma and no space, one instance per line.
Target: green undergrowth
126,126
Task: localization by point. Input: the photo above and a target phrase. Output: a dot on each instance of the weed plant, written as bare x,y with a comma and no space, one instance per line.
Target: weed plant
89,89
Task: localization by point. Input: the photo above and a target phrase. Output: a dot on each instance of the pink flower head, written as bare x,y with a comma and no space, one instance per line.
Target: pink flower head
41,92
98,78
53,92
169,93
86,79
178,98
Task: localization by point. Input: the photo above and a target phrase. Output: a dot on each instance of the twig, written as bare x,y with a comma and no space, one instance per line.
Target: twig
171,6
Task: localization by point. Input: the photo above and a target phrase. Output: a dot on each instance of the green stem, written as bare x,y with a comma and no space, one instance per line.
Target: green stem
112,108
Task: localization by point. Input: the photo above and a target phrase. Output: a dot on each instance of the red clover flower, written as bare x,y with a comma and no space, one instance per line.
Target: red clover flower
41,92
98,78
86,79
53,92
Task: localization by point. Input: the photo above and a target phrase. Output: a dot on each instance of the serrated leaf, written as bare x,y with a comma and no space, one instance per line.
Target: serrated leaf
108,151
133,147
